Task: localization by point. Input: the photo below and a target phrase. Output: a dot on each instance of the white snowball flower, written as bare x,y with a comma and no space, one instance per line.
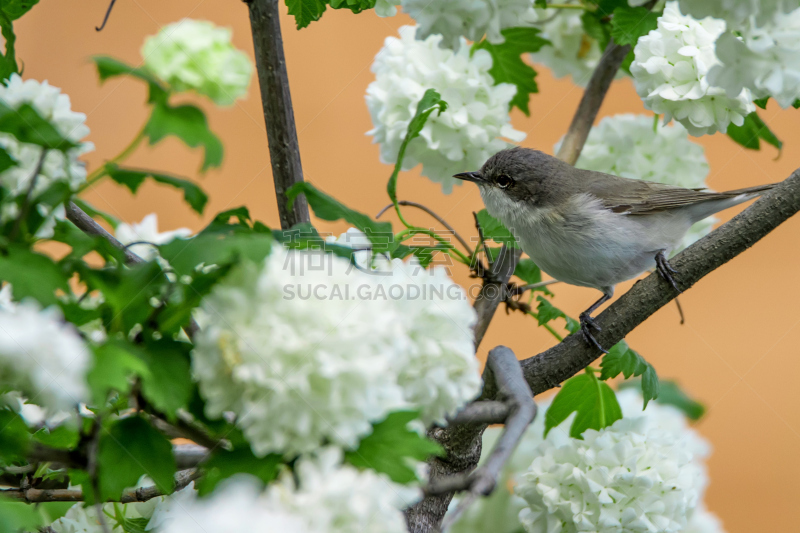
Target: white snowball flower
670,72
42,356
703,521
629,146
471,19
461,138
573,52
308,348
330,498
196,55
144,232
623,478
764,58
738,13
55,107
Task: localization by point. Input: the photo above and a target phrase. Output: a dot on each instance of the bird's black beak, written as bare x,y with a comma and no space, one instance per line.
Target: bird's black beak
474,177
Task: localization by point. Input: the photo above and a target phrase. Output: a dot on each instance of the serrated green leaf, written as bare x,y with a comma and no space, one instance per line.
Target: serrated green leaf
593,400
546,311
64,437
223,464
8,61
184,255
32,275
596,28
431,101
189,124
753,129
507,63
14,9
168,385
18,516
14,437
622,359
28,126
115,363
390,446
130,448
306,11
356,6
630,23
761,102
495,230
108,67
328,208
132,178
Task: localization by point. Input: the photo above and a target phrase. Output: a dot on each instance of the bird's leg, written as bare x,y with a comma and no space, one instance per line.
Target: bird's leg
588,324
665,270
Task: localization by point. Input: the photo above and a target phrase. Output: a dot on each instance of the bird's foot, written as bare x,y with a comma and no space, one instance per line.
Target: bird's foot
665,270
512,300
587,325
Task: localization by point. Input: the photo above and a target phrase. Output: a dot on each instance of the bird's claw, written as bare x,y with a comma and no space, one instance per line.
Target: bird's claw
665,270
587,325
512,301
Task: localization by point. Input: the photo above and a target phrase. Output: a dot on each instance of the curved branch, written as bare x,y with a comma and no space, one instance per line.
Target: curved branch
433,214
87,224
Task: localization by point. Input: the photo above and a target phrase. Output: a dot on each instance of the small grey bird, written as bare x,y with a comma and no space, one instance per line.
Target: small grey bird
592,229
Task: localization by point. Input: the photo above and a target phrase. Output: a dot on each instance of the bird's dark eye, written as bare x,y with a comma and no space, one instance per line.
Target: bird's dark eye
504,181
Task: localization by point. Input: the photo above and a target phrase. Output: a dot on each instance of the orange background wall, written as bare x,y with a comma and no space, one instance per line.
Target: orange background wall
738,351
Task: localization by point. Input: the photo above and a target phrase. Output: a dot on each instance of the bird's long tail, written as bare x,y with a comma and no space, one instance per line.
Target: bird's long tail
719,201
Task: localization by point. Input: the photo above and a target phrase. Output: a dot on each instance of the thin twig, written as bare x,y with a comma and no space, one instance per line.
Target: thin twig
514,391
680,310
539,285
439,219
105,19
26,203
184,429
276,100
182,479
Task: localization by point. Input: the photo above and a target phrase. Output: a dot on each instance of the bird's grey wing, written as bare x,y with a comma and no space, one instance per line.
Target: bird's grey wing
640,197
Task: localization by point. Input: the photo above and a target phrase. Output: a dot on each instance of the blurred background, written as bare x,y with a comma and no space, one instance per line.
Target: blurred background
738,350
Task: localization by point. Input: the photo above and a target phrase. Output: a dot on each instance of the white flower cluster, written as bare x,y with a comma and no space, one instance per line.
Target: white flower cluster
145,232
764,58
738,13
471,19
80,519
330,498
670,72
630,146
461,138
573,52
42,357
196,55
586,485
55,107
308,348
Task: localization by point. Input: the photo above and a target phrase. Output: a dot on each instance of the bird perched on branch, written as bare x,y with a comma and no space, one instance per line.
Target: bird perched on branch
592,229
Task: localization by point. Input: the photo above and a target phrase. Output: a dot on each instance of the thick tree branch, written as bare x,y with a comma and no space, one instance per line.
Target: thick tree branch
485,412
276,100
32,495
590,104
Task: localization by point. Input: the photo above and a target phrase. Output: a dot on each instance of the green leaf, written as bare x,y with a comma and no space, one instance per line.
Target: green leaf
390,446
327,208
542,4
796,104
115,364
761,102
108,67
59,437
14,437
168,385
630,23
753,129
18,516
223,464
621,359
356,6
8,61
507,63
546,311
129,449
305,11
189,124
32,275
133,178
14,9
671,394
6,161
593,400
431,101
184,255
28,126
595,28
495,230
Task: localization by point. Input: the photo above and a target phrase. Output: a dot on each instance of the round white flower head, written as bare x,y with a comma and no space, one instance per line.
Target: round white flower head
55,107
80,519
42,357
437,371
471,19
629,146
670,73
196,55
738,13
623,478
573,52
764,58
703,521
145,232
461,138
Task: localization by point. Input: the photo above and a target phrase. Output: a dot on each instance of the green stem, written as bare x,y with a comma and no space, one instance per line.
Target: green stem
410,231
548,327
100,173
